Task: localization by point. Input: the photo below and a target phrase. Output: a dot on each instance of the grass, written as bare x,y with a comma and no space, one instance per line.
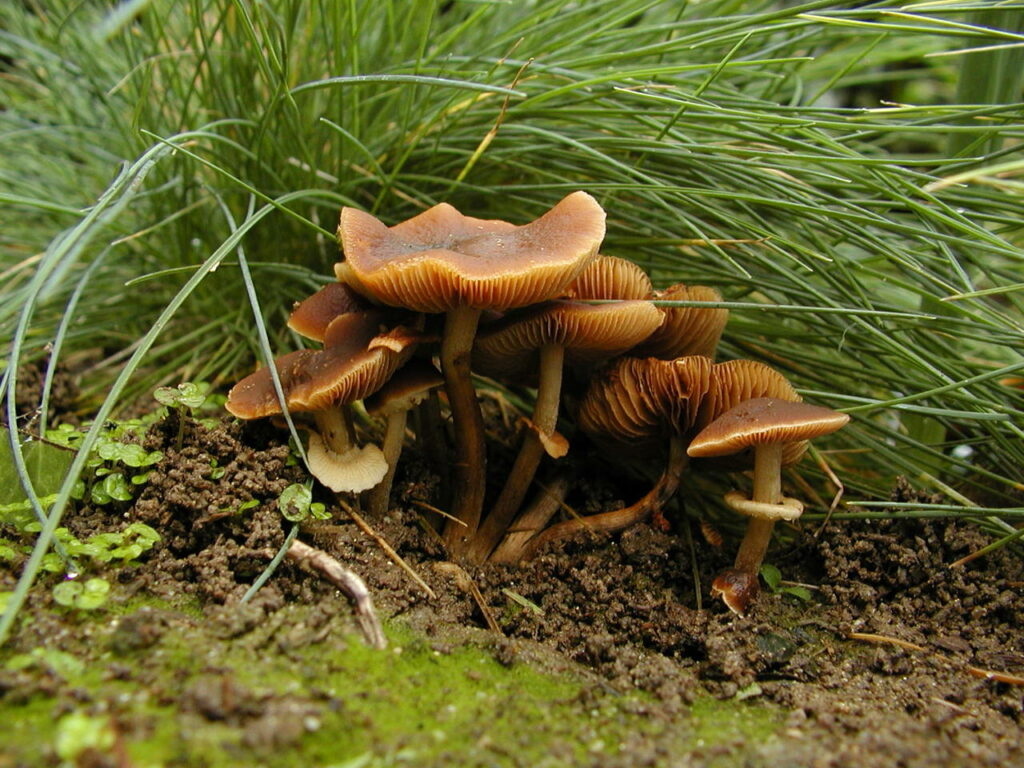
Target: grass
831,169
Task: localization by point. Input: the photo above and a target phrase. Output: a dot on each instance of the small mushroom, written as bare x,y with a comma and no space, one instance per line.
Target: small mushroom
609,277
356,360
765,424
406,389
442,261
312,315
636,405
686,330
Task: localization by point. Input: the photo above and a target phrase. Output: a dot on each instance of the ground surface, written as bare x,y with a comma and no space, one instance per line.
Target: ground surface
604,657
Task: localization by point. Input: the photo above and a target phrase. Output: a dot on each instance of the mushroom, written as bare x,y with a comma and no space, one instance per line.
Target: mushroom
406,389
686,330
312,315
609,277
442,261
356,360
633,406
550,332
732,383
765,424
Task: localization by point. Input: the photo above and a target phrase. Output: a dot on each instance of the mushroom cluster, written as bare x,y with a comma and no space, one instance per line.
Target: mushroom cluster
534,305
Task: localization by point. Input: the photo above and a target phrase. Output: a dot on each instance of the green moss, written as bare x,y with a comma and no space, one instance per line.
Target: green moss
353,706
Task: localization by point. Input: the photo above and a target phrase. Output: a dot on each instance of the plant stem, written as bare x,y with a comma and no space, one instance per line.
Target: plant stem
470,461
181,427
545,418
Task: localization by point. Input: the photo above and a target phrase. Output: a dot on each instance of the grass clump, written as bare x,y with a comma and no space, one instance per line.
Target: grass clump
176,171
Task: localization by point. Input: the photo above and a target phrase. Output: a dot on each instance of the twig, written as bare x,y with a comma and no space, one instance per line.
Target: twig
985,674
388,550
441,512
999,677
840,488
348,582
883,640
466,584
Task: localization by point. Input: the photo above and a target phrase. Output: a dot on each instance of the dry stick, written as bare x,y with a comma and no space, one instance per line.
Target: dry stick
470,462
870,637
436,511
986,674
466,584
618,519
545,418
531,520
840,488
348,582
388,550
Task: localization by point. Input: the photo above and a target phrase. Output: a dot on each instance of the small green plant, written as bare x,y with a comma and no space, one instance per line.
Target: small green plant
216,470
85,596
245,506
113,467
53,660
125,545
773,579
296,504
187,396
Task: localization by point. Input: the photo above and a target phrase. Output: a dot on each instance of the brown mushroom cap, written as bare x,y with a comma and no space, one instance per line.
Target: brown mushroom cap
609,277
762,421
312,315
254,397
441,259
736,381
405,389
356,360
686,330
640,401
589,333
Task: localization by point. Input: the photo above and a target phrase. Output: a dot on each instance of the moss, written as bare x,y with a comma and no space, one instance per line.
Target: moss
338,702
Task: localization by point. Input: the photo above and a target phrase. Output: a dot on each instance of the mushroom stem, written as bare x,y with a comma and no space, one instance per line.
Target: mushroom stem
739,585
468,492
394,436
545,418
767,489
531,520
618,519
433,442
334,429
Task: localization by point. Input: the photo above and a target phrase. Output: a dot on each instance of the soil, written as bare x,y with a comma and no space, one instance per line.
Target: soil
886,662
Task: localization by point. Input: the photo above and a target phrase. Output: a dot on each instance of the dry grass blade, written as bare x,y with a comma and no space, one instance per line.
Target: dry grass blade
986,674
387,548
